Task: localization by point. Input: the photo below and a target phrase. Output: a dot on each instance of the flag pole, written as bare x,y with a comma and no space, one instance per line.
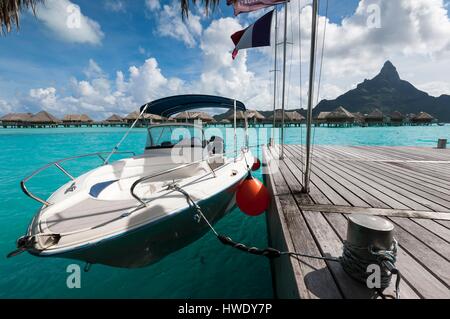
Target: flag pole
235,131
284,79
312,70
275,75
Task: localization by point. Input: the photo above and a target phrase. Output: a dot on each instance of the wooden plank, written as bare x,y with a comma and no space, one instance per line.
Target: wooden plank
408,171
423,200
386,194
366,189
315,272
284,271
424,255
435,228
311,275
348,190
386,170
405,213
444,223
435,243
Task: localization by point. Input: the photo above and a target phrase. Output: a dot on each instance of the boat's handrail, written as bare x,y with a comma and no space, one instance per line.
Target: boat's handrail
146,178
59,166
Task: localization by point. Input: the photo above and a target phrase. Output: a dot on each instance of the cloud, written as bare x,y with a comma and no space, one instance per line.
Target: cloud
66,20
5,107
93,70
170,23
415,35
115,5
153,4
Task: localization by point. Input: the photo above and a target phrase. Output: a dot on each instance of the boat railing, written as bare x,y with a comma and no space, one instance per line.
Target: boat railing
58,165
171,170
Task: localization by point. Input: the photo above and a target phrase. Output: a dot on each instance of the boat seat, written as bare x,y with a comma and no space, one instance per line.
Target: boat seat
88,213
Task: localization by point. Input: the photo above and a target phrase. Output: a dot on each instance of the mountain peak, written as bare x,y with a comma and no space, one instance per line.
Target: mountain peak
389,72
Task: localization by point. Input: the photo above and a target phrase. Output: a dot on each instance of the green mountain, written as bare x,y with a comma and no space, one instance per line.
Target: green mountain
389,93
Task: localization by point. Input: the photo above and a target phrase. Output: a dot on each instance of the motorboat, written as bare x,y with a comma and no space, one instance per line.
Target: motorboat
128,213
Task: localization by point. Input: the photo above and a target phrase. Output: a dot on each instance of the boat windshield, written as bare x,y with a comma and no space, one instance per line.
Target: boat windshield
168,136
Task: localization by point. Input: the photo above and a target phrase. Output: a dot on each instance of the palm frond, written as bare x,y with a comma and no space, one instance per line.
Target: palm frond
10,12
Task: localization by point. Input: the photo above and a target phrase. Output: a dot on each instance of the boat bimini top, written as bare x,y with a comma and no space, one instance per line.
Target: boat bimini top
180,103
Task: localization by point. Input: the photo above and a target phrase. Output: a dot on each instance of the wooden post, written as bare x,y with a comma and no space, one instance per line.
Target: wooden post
442,143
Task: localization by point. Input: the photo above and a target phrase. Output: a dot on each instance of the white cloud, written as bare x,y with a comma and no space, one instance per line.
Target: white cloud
93,70
170,23
5,107
115,5
435,88
417,41
153,4
66,20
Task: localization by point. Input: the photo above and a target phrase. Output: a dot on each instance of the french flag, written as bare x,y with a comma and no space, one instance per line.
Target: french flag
256,35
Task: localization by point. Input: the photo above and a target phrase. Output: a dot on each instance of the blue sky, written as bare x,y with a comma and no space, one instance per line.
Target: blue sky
121,34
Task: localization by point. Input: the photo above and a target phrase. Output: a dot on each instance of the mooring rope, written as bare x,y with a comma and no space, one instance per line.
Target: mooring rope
351,260
356,260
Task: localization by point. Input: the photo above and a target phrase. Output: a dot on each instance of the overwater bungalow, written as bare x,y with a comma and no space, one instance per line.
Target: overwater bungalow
225,122
359,119
77,120
15,119
146,119
375,118
396,118
190,117
409,117
113,120
290,117
322,118
253,117
423,118
340,117
153,118
295,117
44,119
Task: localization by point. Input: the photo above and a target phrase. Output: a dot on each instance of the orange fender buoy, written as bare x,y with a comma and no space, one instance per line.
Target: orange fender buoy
252,197
256,164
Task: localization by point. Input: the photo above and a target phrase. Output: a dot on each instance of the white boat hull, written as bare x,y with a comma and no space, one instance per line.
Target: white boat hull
107,228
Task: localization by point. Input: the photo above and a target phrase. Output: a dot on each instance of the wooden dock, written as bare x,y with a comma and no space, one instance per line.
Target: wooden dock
410,186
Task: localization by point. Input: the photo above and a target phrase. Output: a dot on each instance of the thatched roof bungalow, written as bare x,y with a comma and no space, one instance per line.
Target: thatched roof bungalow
114,119
359,118
252,116
146,118
15,119
77,119
194,116
423,118
376,117
295,116
322,118
396,118
340,116
44,118
292,116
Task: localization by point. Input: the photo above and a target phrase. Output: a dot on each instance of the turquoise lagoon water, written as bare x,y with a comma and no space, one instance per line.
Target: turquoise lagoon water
205,269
